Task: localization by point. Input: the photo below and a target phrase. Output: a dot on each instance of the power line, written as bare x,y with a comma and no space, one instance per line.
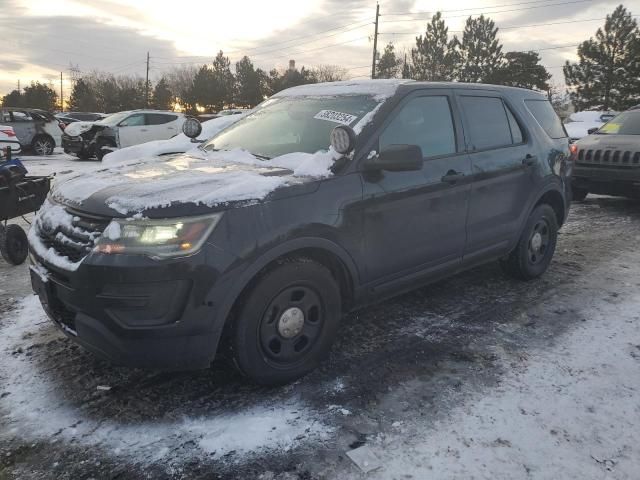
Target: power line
467,9
514,26
493,13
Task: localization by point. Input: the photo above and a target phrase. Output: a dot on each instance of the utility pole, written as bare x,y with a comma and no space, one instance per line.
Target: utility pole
375,43
61,95
146,86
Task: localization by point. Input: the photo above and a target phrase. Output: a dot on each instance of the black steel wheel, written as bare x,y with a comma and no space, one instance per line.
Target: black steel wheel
533,253
286,323
14,246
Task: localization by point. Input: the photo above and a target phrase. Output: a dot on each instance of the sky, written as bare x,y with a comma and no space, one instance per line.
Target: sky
42,38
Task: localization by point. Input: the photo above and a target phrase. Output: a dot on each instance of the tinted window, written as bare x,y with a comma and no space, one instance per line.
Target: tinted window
487,122
133,121
21,116
627,123
426,122
516,132
546,117
159,118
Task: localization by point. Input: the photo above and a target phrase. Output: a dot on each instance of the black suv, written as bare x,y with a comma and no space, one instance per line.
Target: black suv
266,235
608,161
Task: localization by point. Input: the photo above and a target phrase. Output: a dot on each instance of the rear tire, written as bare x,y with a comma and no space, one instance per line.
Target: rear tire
43,145
286,323
579,194
536,246
14,245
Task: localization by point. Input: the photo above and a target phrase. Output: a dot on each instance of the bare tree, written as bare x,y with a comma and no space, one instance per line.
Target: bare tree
329,73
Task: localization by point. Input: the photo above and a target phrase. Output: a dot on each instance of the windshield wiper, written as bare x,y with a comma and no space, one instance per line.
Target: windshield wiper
261,157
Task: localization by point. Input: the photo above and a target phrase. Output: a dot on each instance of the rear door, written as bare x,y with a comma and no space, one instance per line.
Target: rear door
502,159
132,130
414,222
23,125
161,126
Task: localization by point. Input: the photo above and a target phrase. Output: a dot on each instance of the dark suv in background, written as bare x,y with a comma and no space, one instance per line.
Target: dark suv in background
266,237
607,162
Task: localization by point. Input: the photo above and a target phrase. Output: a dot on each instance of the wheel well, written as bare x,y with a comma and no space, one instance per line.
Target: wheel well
554,199
323,257
40,135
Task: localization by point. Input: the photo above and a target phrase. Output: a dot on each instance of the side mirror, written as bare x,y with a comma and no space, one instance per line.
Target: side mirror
192,128
397,158
592,130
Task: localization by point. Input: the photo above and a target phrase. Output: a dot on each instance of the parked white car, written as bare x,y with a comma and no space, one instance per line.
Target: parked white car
578,124
36,130
120,130
178,144
8,138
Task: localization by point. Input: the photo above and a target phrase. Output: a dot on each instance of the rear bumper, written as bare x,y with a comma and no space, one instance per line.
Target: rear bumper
15,146
607,181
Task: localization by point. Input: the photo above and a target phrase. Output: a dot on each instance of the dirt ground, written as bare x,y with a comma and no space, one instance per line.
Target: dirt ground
477,376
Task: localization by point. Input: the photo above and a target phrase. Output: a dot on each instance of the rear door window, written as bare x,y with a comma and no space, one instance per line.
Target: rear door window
21,116
546,117
159,118
136,120
487,123
426,122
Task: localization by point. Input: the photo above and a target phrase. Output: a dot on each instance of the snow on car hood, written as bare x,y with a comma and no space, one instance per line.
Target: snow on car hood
629,143
210,179
78,128
178,144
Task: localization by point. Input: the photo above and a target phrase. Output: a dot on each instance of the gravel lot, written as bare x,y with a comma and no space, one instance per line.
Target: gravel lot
477,376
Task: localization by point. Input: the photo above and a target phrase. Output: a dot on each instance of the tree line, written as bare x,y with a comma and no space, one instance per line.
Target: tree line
606,76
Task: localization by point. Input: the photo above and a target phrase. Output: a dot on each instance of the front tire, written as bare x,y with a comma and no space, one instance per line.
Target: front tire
536,245
287,322
14,245
43,145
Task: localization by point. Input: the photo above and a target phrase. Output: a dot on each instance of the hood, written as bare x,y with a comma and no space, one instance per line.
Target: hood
623,143
78,128
187,184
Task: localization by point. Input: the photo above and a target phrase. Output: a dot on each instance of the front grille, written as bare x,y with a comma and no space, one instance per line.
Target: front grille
609,158
73,241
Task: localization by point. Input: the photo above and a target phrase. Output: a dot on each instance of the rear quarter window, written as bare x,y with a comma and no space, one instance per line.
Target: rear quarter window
546,117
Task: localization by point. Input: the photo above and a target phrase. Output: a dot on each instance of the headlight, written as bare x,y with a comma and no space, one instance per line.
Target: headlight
173,237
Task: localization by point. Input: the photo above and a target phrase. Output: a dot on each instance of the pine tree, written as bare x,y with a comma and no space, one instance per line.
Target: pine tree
204,91
224,81
433,57
162,95
522,69
406,68
12,99
607,75
479,52
83,97
248,84
39,95
388,65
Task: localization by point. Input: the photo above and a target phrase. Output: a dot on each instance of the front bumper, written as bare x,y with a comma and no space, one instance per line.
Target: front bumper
135,311
75,145
607,181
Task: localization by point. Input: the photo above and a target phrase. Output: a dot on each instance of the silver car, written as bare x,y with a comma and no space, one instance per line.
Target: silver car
36,130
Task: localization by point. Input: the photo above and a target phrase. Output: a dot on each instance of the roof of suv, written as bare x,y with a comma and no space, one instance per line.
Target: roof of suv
388,87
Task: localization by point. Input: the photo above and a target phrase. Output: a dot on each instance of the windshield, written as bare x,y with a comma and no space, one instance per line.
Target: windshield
292,124
627,123
114,118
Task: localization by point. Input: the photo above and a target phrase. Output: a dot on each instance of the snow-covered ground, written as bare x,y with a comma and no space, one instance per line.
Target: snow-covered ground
477,376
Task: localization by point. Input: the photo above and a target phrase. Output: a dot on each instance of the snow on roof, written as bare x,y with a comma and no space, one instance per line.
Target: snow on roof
380,88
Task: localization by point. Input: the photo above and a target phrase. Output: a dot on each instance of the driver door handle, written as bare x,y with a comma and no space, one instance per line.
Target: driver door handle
452,177
529,160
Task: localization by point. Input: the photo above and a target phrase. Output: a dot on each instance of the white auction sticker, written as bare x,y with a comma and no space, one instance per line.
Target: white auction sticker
337,117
